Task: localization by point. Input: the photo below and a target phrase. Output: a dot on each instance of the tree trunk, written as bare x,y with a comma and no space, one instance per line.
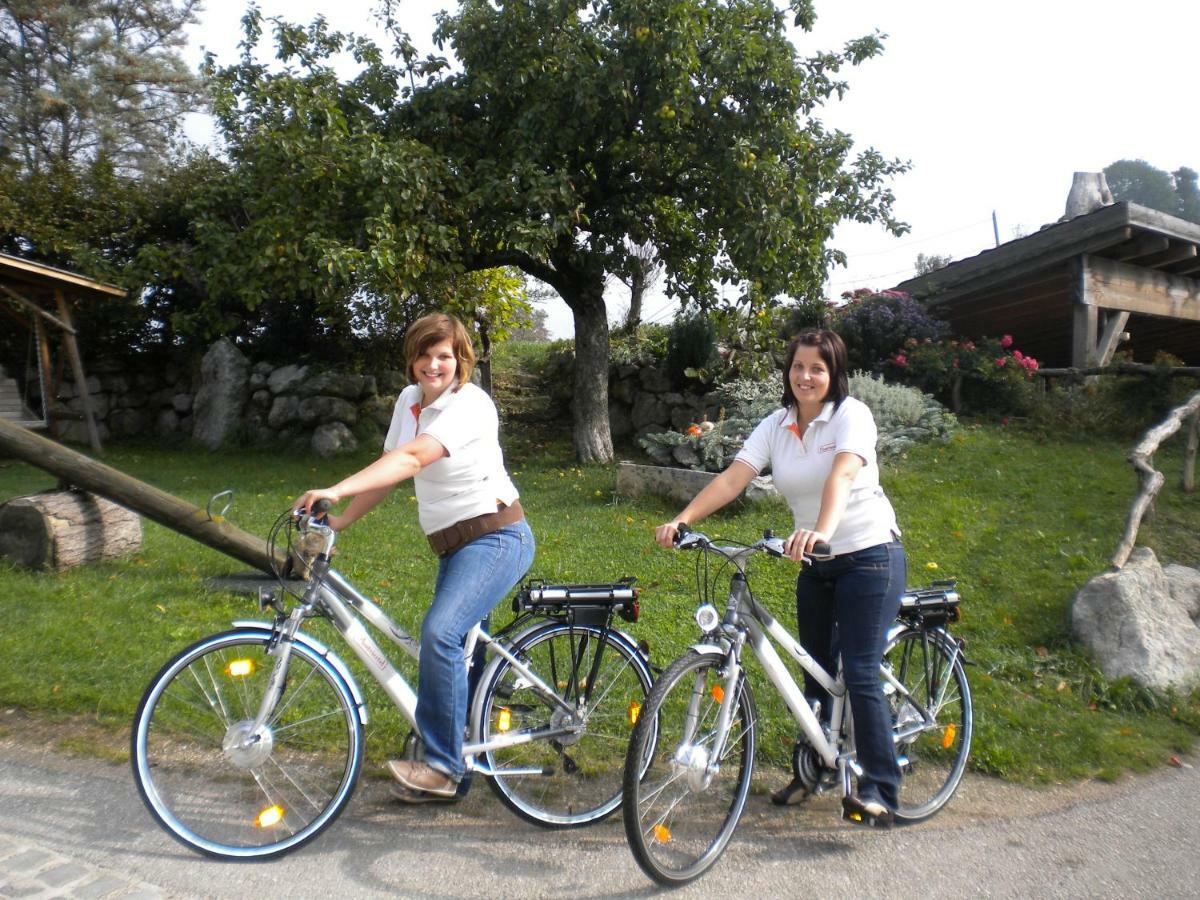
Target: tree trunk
637,289
62,529
176,514
590,431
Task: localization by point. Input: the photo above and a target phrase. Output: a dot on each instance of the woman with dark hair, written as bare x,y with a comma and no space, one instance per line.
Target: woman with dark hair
445,436
820,449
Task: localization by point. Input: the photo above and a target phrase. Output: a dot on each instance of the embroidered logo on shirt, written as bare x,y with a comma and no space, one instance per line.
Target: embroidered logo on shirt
825,448
795,429
415,409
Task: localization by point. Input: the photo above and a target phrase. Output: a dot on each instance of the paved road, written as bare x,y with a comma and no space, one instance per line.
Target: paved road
72,827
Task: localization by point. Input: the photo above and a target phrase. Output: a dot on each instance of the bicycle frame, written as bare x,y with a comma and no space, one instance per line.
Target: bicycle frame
332,593
746,617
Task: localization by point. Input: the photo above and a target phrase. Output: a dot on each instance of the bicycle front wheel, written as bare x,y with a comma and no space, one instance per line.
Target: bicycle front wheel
681,810
573,778
933,724
224,788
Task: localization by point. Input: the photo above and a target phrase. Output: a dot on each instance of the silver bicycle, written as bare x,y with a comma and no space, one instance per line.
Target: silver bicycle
249,743
699,727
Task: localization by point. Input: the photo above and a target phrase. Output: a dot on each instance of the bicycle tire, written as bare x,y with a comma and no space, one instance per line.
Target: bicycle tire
933,759
581,773
677,819
250,801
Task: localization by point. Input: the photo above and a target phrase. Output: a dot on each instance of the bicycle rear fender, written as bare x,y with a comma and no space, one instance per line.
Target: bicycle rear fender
360,705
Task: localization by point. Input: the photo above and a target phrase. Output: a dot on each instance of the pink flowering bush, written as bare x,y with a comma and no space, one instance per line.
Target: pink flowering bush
983,377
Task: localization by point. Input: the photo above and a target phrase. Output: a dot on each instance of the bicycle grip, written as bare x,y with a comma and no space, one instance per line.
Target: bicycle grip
821,548
320,508
681,531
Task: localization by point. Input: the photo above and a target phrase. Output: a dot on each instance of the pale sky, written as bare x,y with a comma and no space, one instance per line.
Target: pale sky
995,105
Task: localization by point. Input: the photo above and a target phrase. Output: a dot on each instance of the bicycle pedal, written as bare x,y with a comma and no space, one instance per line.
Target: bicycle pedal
866,815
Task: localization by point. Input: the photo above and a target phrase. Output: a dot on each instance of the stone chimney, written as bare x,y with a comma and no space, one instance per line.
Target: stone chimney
1089,192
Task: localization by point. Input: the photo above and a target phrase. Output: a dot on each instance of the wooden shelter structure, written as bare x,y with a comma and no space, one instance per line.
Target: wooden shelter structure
1071,293
41,297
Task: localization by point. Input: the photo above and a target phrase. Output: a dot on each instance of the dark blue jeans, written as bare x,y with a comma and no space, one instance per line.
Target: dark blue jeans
859,593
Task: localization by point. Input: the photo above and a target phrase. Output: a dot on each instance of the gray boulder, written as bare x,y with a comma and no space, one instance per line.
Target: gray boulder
217,408
333,439
327,409
286,379
1141,623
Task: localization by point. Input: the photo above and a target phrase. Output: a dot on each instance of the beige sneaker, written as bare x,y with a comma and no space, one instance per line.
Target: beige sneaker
418,776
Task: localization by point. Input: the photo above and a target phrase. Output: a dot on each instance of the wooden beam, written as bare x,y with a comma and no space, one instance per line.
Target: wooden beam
1142,246
1114,285
1084,319
64,313
1185,268
179,515
34,308
44,275
1175,254
43,348
1111,337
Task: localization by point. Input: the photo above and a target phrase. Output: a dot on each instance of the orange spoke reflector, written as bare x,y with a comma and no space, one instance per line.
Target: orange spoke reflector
240,668
662,834
948,736
504,719
272,815
635,710
718,693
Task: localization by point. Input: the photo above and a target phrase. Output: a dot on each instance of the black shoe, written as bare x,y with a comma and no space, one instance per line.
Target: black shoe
791,794
867,813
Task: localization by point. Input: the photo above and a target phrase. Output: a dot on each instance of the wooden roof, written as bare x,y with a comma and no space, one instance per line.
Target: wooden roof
1028,287
44,277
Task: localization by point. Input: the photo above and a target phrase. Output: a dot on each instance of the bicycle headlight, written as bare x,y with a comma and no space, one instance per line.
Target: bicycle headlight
708,618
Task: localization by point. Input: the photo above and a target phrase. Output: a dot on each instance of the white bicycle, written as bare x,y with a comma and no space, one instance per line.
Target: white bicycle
699,728
249,743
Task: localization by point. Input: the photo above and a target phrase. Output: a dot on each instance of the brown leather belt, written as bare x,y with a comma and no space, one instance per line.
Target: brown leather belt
450,539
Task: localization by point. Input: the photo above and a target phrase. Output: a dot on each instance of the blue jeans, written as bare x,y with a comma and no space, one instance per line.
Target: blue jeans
471,581
859,593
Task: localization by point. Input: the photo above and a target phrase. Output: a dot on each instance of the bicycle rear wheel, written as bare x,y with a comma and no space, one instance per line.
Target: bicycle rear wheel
600,675
932,755
682,809
224,791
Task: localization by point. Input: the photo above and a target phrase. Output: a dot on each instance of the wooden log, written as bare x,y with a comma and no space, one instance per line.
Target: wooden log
1142,460
151,502
62,529
1189,455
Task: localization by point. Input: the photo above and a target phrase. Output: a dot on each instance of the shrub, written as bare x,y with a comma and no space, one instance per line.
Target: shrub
988,376
691,346
876,326
902,414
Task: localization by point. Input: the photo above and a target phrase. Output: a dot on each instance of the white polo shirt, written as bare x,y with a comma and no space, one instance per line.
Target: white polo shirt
801,465
470,479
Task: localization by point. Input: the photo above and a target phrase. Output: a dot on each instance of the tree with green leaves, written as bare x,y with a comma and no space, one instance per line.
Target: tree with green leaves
82,80
1139,182
578,129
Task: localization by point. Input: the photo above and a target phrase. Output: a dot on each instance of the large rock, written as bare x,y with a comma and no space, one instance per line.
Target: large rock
333,439
315,410
680,485
1140,622
217,409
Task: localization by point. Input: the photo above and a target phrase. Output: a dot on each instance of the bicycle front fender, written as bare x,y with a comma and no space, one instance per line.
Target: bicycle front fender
709,650
360,705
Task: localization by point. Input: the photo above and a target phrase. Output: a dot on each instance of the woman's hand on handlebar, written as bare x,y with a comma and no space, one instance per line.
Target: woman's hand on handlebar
801,541
309,498
666,534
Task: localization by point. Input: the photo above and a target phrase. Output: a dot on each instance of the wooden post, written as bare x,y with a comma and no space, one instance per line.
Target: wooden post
176,514
64,313
1189,455
1142,460
43,349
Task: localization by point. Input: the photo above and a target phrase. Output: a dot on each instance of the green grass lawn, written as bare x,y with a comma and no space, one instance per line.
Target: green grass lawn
1020,520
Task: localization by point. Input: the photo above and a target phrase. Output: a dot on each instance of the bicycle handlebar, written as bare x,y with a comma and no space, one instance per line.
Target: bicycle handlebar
687,539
